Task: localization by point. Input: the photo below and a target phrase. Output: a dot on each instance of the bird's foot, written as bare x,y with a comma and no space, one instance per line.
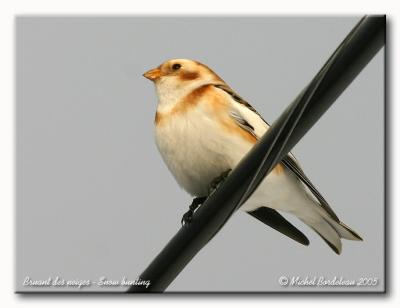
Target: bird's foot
218,181
187,217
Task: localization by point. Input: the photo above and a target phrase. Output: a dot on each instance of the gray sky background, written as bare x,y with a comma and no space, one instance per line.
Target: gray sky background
94,198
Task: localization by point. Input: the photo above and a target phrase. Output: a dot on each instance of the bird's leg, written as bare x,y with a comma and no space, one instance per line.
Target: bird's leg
218,181
187,217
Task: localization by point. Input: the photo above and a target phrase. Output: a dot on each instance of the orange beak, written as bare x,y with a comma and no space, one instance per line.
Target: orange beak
153,74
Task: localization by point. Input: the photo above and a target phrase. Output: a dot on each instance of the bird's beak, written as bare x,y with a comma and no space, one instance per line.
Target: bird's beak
153,74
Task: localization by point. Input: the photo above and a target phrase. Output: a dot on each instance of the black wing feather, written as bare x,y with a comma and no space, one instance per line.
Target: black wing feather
293,166
237,98
276,221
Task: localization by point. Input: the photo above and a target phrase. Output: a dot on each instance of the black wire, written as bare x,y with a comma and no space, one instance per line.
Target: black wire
352,55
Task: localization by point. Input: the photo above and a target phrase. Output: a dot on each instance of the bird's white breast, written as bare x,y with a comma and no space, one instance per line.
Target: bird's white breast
196,149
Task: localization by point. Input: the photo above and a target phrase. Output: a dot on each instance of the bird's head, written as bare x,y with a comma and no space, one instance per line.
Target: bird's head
177,77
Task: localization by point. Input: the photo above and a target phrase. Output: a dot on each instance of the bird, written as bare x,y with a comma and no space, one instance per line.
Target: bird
203,128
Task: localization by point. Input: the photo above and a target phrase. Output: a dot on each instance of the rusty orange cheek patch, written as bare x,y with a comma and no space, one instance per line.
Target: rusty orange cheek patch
188,76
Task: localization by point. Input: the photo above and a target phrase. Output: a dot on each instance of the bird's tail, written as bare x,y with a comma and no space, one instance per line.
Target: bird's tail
330,230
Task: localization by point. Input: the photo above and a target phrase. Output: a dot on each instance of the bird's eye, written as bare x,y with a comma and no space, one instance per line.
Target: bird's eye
176,66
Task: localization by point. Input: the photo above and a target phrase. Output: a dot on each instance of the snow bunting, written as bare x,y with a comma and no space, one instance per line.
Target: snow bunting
203,129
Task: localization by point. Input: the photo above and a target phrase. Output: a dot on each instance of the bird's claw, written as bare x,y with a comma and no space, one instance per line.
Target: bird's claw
217,181
187,217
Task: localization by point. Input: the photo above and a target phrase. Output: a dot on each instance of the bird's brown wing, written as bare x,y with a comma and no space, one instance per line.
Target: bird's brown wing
238,98
288,161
